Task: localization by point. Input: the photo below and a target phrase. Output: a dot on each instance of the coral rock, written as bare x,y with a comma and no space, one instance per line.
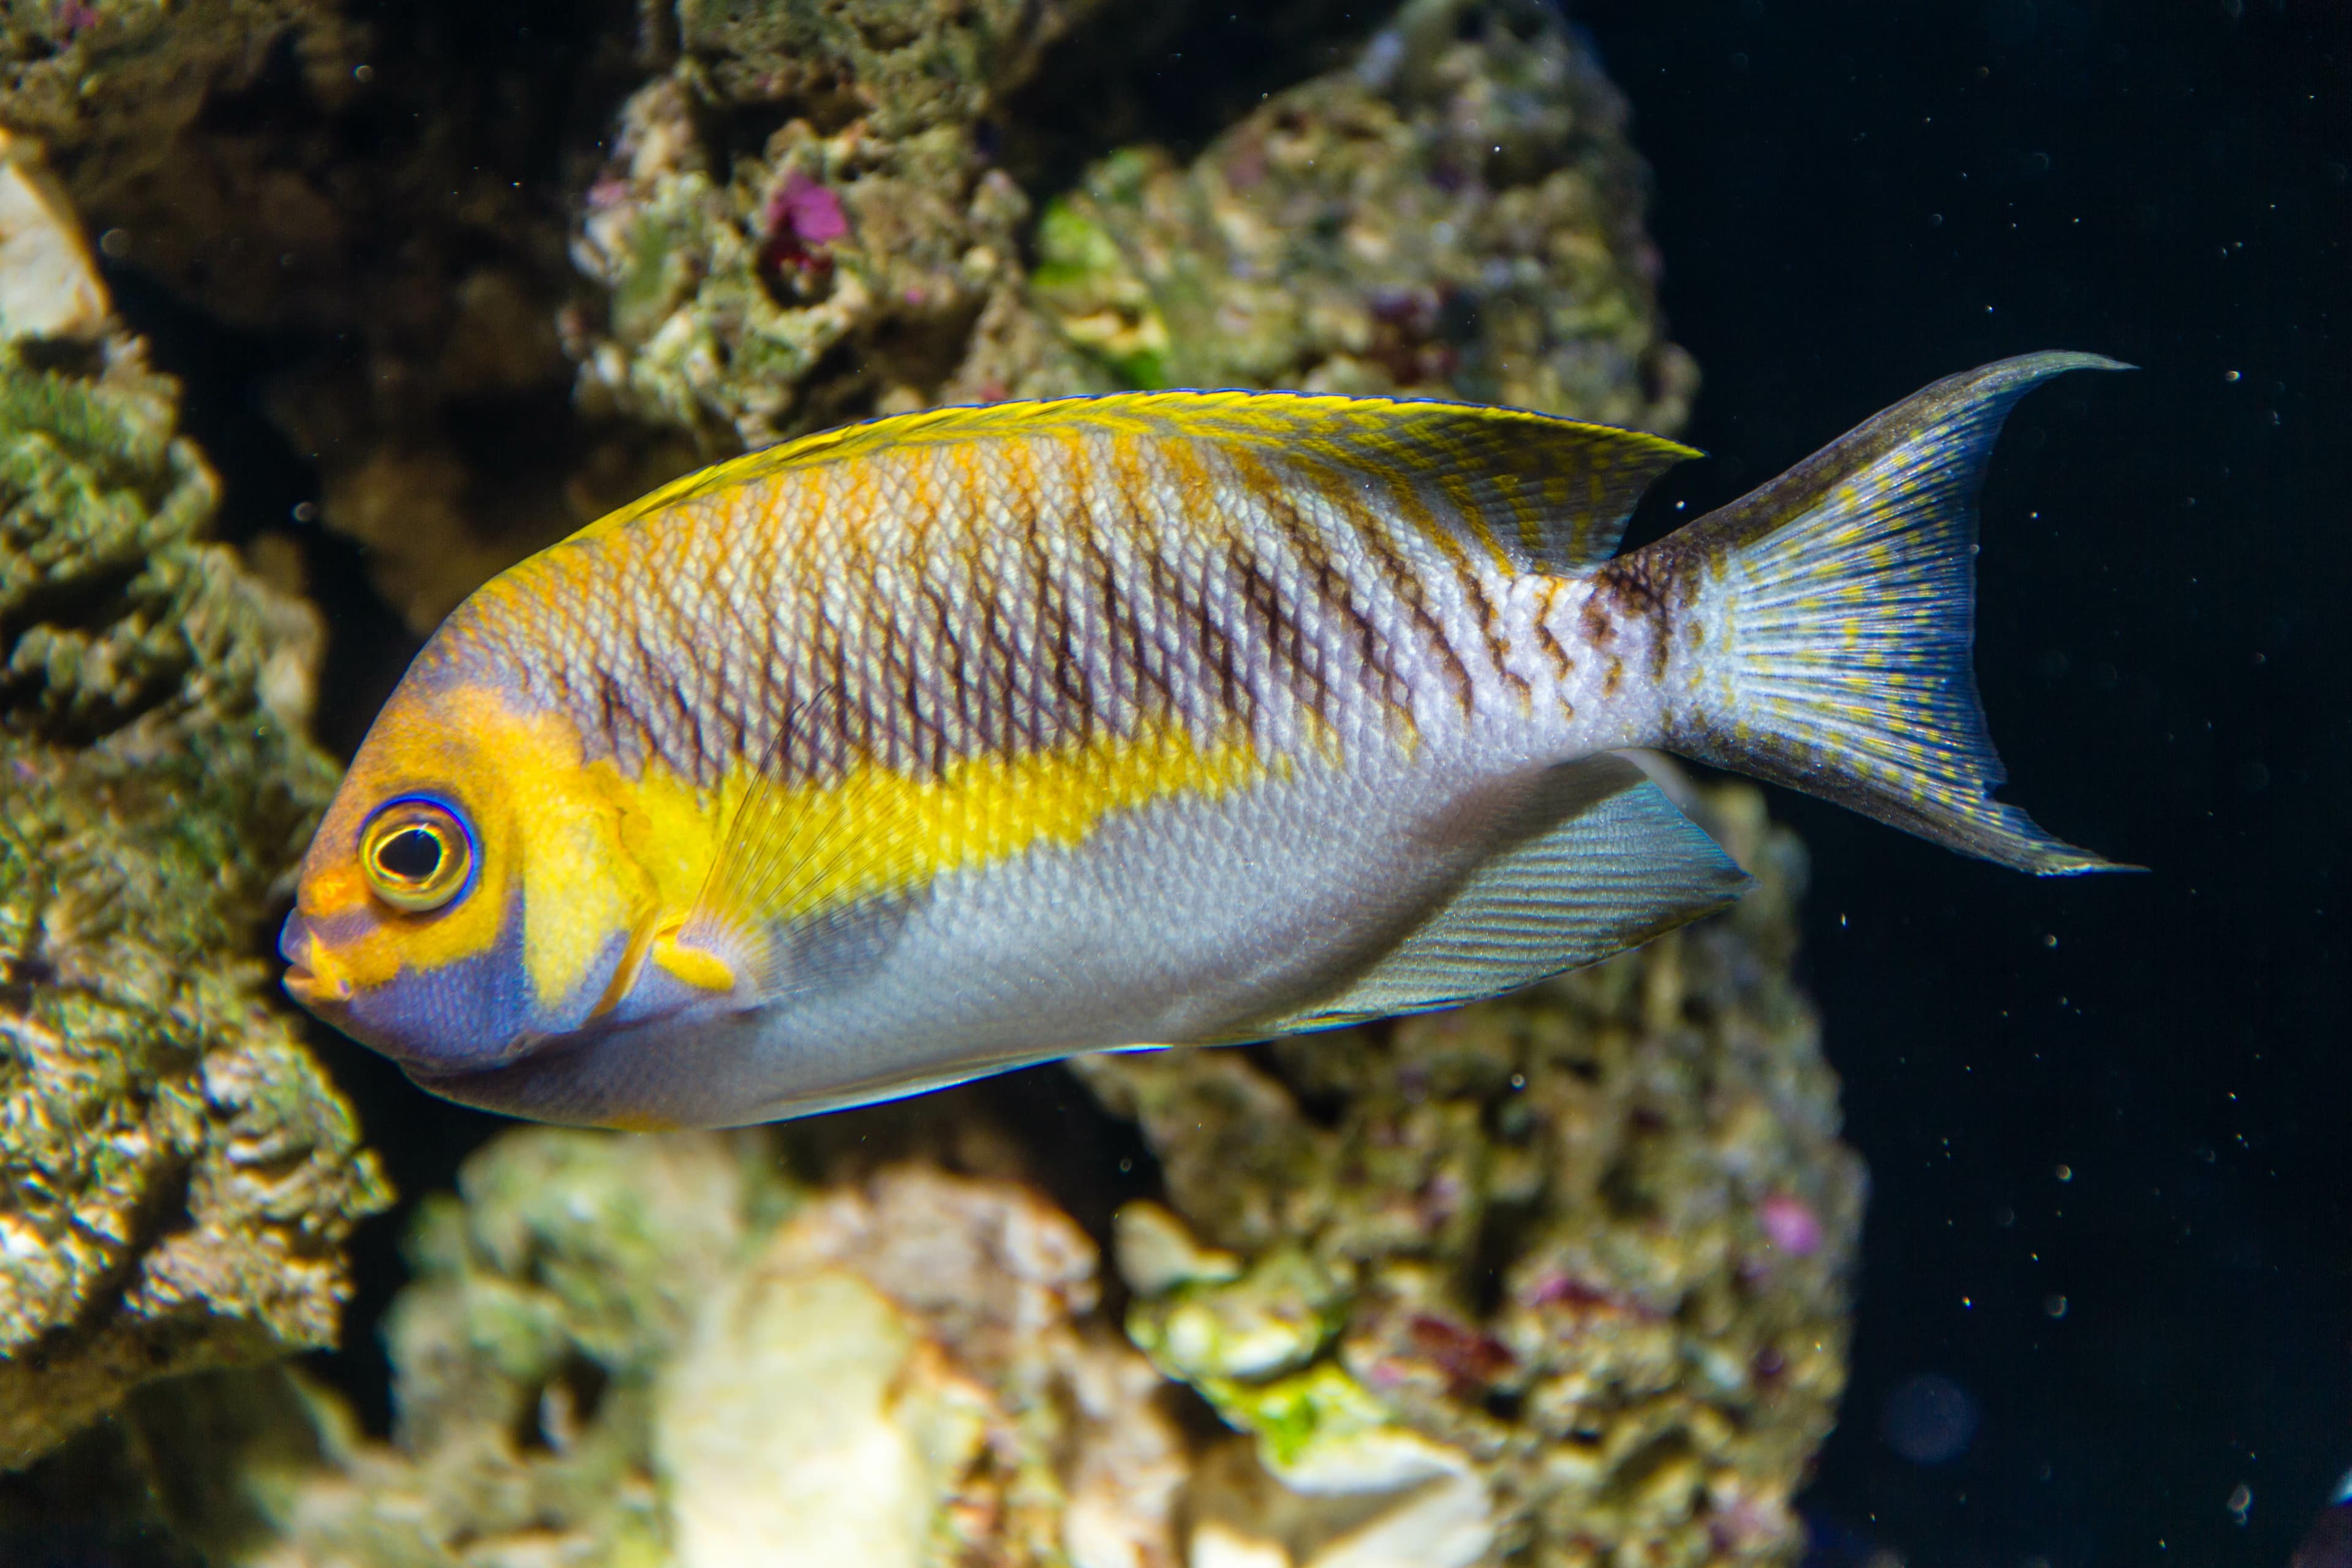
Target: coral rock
548,1294
48,284
1457,215
812,1410
613,1353
842,266
177,1178
910,1351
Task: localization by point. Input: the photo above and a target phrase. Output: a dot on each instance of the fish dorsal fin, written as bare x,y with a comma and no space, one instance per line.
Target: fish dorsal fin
1535,491
1617,864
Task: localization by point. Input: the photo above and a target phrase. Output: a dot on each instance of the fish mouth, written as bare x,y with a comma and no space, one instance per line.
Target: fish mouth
313,978
314,993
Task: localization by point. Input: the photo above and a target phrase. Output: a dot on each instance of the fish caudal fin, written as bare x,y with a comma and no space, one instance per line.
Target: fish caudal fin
1838,619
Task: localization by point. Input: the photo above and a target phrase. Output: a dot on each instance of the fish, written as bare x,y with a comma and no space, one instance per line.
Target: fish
960,740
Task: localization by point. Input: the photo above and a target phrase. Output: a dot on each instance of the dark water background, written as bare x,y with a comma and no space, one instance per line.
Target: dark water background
1854,199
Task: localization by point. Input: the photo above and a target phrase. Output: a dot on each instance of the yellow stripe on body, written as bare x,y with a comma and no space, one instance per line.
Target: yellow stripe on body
796,851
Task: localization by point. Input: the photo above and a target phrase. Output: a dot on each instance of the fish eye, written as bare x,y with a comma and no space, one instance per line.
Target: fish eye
416,855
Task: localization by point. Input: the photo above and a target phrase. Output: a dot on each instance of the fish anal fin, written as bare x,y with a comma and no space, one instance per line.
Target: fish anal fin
1607,863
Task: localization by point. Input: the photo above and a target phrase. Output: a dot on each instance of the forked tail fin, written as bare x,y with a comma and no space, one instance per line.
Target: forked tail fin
1838,613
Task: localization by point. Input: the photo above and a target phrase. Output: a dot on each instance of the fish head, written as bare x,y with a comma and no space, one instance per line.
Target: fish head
465,900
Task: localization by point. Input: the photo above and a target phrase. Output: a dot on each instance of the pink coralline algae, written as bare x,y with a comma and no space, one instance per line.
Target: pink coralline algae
803,217
808,211
1790,1223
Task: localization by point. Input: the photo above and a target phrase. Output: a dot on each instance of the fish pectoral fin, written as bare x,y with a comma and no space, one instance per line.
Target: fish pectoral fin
695,967
1607,863
802,893
657,951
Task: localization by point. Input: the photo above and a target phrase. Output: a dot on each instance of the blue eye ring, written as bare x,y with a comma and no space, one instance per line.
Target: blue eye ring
417,854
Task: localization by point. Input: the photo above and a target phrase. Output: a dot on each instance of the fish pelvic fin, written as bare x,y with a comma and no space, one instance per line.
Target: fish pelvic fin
1834,613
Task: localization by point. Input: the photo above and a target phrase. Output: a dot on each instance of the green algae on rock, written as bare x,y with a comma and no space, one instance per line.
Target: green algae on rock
1459,215
1580,1256
177,1178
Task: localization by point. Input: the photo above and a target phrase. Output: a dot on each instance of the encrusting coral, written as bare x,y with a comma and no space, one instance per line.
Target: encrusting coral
546,1297
177,1178
1457,214
945,1406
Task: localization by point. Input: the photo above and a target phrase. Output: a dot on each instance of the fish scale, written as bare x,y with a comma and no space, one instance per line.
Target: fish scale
961,740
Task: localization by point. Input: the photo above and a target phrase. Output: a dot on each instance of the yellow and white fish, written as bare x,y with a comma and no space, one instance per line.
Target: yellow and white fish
949,742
